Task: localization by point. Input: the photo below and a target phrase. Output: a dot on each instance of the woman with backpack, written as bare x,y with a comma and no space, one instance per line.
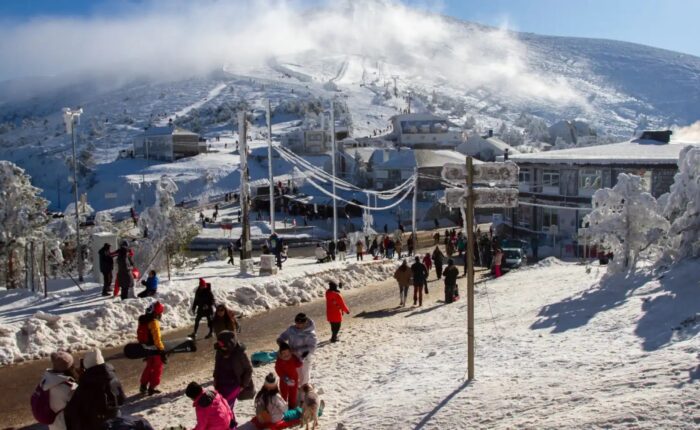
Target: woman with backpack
203,307
97,398
148,333
55,390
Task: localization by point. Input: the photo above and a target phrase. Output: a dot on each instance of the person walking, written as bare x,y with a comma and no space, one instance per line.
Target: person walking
497,260
60,383
403,277
203,307
409,245
419,278
436,238
233,371
224,320
125,262
335,308
342,249
438,258
106,268
301,338
99,396
451,274
398,246
210,407
359,250
287,369
151,284
148,333
428,263
229,250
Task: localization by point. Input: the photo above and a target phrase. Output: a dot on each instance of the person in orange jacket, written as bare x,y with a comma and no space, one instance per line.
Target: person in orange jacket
149,334
335,308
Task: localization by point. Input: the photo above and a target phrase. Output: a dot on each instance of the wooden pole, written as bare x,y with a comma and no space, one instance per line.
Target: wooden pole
269,168
43,261
167,258
470,270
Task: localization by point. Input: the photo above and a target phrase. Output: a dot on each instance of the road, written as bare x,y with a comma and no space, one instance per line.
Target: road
259,333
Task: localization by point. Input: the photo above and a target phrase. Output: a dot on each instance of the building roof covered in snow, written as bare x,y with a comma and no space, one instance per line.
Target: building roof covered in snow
426,158
485,148
167,130
393,159
635,151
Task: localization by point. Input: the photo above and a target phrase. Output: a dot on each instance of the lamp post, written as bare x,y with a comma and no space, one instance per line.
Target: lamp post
71,117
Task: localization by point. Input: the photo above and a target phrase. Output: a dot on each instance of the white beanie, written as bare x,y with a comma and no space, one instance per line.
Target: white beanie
93,358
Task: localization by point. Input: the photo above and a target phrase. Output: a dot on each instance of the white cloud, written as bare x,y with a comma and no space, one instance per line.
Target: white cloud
177,38
690,134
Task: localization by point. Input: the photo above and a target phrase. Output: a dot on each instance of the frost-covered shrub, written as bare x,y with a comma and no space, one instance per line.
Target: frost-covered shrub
681,205
627,220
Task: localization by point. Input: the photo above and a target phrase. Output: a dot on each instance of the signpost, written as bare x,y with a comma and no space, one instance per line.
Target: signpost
491,174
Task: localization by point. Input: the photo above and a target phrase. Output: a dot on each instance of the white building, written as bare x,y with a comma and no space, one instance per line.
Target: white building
426,131
486,148
562,182
168,143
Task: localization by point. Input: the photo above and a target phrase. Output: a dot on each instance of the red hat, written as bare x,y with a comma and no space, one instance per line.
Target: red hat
156,308
202,283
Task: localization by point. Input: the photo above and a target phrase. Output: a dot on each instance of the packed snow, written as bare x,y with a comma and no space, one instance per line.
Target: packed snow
558,346
32,326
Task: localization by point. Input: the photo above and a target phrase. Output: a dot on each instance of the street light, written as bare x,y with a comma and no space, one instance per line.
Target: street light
71,117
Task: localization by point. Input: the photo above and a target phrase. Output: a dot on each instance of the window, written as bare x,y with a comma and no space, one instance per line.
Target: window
550,217
590,179
550,178
524,176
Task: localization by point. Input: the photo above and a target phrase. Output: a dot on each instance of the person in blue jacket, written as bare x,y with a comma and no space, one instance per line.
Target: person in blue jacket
151,284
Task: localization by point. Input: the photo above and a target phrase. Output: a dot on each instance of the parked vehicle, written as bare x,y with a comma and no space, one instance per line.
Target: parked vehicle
515,243
513,258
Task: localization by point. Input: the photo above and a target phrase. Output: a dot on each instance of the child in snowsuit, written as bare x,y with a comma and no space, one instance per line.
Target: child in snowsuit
301,338
212,411
203,307
287,368
151,284
149,334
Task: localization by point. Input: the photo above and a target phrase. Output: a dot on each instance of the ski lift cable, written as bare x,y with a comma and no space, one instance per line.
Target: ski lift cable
330,194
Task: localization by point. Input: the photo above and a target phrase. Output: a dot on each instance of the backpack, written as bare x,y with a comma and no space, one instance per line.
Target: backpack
41,407
143,334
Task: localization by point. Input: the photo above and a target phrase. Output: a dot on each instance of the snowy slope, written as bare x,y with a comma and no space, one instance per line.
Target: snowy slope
557,348
457,69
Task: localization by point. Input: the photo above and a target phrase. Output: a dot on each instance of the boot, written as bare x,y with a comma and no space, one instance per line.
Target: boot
143,389
153,390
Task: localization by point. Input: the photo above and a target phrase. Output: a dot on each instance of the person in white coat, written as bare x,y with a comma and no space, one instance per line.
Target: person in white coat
60,382
302,340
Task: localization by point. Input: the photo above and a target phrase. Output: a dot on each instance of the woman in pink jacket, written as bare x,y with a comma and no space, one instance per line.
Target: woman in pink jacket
213,413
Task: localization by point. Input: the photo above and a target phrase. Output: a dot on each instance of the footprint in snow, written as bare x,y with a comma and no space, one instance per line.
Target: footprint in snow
432,354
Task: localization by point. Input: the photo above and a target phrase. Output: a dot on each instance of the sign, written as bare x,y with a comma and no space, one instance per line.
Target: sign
454,172
484,173
496,173
495,197
110,195
583,232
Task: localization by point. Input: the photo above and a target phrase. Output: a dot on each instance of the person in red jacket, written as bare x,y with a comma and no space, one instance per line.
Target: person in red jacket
335,308
286,367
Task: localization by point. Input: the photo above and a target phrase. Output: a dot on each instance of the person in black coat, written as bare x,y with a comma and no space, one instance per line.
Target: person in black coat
125,263
203,306
106,268
331,249
420,274
233,371
98,397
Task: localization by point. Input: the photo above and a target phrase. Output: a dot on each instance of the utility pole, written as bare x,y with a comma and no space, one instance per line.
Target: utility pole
335,211
70,116
470,269
409,102
246,261
396,91
415,205
269,168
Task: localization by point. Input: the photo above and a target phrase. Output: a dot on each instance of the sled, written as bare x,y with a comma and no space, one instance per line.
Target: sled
138,350
263,357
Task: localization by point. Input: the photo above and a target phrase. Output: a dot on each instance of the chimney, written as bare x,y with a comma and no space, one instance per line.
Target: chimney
505,155
490,132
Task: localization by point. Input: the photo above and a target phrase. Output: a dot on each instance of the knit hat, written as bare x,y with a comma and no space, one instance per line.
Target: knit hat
155,308
300,318
332,286
193,390
271,381
93,358
61,361
202,283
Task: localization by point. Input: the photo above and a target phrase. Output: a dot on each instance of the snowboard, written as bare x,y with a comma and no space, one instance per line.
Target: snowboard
138,350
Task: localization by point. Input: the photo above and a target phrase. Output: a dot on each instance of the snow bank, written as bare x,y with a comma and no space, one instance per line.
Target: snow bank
32,327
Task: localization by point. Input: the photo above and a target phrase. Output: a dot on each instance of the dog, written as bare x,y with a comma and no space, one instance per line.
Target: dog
310,406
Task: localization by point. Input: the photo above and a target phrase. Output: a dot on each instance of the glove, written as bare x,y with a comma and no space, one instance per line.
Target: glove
304,354
289,381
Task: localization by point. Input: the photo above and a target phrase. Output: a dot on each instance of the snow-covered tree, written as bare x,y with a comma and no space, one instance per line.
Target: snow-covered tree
682,205
22,212
627,220
170,228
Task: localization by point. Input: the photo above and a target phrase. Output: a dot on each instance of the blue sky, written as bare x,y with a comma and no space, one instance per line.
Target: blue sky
670,24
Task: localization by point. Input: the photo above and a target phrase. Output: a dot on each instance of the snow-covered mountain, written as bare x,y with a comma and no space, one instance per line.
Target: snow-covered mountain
478,76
